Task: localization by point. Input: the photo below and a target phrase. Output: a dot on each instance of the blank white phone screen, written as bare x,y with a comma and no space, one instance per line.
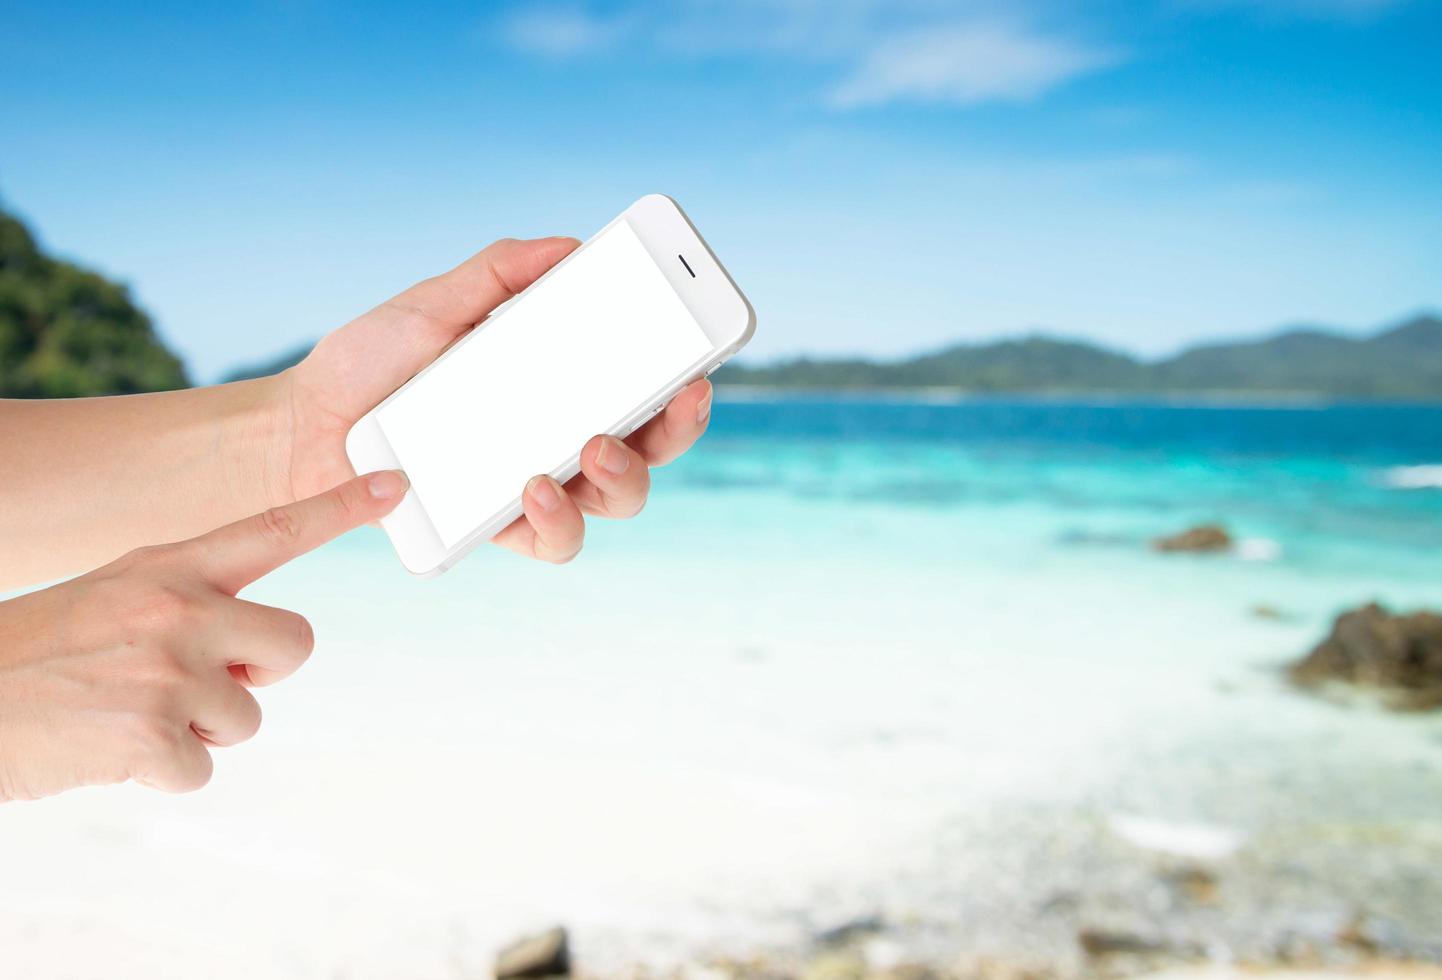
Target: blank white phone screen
572,357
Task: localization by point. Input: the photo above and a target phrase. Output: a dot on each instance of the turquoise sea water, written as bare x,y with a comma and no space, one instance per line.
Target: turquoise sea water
857,655
1323,479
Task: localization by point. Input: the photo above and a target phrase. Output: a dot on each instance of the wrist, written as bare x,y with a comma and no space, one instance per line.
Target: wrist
264,427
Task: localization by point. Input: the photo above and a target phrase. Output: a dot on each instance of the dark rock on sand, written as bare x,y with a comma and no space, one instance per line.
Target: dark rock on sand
1194,883
1359,934
1106,942
544,955
1204,539
1400,656
850,931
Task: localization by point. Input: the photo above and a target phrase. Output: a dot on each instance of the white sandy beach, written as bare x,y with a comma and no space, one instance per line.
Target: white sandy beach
731,723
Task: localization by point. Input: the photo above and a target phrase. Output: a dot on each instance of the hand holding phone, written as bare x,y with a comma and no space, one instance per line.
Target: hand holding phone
601,343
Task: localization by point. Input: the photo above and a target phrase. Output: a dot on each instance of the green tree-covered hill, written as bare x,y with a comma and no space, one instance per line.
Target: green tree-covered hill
66,331
1402,362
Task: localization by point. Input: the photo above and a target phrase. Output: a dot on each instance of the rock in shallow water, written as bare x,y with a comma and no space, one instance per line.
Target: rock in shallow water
1204,538
1397,655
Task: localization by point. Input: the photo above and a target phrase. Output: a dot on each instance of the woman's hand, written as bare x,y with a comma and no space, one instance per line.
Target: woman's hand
86,479
135,670
356,367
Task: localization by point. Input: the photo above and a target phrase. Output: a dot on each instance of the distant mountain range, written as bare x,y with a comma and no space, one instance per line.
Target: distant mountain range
1402,362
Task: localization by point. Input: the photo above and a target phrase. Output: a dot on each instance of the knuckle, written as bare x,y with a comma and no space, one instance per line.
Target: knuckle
564,557
248,722
170,678
164,677
153,738
293,641
147,556
304,636
157,680
631,504
352,498
156,609
278,525
166,755
558,549
196,774
241,723
618,507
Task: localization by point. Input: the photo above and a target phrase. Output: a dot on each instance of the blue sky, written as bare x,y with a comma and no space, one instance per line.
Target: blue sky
880,176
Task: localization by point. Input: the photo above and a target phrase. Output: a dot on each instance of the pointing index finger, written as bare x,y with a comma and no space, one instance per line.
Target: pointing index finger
235,555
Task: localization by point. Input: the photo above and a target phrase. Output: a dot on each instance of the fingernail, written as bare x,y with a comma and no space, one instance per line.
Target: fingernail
543,491
387,484
612,457
703,410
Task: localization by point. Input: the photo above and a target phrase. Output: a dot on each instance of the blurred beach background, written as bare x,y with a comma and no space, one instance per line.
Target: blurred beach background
860,659
888,679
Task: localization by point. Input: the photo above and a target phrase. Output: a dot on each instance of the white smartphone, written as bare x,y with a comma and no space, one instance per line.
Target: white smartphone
599,344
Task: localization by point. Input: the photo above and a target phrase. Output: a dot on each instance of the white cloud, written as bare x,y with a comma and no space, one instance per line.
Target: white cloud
882,50
967,64
562,31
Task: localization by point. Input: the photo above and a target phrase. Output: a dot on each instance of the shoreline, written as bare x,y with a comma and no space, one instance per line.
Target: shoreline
945,395
1074,894
883,686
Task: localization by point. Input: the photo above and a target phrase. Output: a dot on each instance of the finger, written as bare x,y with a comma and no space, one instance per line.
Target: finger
233,556
225,713
552,529
177,762
615,479
261,644
676,429
459,299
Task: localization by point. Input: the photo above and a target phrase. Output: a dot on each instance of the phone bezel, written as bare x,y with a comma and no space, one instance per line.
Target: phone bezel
712,297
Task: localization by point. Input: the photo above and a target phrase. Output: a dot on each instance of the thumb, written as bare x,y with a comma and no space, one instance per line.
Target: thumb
233,556
462,297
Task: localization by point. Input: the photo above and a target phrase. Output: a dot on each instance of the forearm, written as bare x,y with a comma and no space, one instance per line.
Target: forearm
84,480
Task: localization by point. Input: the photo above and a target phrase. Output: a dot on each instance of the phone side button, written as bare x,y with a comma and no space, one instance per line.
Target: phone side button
640,422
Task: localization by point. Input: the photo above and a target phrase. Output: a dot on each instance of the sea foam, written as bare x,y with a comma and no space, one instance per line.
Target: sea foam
1413,477
1258,549
1200,842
